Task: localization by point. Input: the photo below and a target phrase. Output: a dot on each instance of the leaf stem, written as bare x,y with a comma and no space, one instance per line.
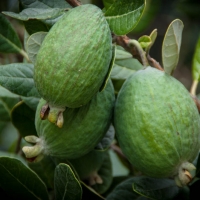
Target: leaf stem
194,87
74,3
154,63
18,148
141,52
132,46
25,55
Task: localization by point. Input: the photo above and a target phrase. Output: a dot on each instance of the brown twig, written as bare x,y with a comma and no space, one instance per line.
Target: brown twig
118,151
154,63
17,150
73,3
124,41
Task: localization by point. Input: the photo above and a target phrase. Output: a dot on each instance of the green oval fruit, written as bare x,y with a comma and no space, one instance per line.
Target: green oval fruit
74,59
157,125
83,129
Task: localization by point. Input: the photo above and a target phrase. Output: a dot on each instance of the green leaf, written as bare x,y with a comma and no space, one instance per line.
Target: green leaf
122,16
66,184
121,72
18,78
34,43
45,170
23,118
44,4
36,13
20,181
145,41
107,139
196,62
32,102
171,46
105,172
159,189
122,54
13,155
34,25
153,37
9,40
124,66
123,190
7,101
108,3
8,138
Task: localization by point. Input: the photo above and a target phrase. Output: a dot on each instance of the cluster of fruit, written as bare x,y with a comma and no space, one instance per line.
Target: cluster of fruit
156,121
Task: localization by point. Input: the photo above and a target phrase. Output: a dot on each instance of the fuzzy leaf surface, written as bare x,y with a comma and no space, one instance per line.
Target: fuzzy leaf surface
171,46
34,43
67,186
123,190
122,16
160,189
36,13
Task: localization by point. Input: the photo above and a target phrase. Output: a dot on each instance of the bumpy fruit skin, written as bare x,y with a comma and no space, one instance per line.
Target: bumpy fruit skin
74,58
157,123
83,129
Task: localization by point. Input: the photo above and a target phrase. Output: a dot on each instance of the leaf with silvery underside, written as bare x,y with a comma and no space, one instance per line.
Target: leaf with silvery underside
9,40
159,189
19,181
121,54
44,4
122,16
171,46
23,118
107,139
196,62
125,65
123,190
36,13
33,25
108,3
18,78
33,44
66,184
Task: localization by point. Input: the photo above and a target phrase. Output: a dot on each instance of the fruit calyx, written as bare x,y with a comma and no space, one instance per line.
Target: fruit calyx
95,178
53,113
34,153
184,176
